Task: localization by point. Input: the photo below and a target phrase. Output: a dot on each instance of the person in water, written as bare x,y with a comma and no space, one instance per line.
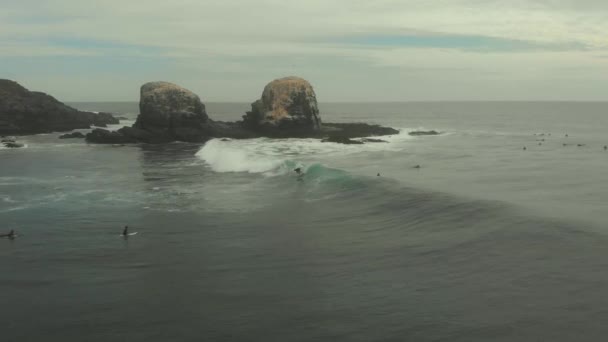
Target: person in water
10,235
299,172
125,232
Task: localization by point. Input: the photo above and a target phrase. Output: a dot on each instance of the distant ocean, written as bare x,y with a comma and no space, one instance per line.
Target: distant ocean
486,241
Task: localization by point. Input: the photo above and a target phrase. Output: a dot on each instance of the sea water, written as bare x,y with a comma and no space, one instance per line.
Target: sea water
485,241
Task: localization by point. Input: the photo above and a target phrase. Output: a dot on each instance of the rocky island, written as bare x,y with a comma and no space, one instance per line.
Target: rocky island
25,112
287,108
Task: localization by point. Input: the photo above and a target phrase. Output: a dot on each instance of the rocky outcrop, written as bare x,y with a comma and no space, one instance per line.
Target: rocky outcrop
168,113
28,112
171,112
288,107
75,135
102,119
356,130
103,136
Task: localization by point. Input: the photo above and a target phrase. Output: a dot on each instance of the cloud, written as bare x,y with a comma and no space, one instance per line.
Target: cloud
210,44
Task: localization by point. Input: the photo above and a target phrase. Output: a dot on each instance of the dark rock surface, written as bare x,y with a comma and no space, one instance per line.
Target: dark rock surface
288,106
29,112
357,130
103,119
418,133
103,136
75,135
370,140
172,113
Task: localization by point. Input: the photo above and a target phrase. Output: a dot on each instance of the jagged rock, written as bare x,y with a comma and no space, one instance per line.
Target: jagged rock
417,133
75,135
288,107
171,111
29,112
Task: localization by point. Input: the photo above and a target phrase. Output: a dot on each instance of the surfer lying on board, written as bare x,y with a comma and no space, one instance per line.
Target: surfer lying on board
10,235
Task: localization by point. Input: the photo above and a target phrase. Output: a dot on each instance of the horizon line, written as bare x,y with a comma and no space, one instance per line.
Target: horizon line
379,101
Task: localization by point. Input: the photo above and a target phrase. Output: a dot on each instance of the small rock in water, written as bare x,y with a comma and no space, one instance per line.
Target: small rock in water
373,140
417,133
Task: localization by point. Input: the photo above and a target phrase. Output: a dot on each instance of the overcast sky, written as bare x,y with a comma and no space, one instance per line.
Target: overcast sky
350,50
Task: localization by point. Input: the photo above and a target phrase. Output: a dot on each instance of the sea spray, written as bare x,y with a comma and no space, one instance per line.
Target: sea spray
221,156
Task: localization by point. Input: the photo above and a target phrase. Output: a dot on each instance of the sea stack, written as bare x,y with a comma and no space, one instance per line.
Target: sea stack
168,110
31,112
288,107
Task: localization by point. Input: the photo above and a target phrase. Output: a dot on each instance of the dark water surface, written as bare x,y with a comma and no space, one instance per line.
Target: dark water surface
485,242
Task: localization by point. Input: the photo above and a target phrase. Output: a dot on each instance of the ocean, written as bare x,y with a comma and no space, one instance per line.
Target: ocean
485,241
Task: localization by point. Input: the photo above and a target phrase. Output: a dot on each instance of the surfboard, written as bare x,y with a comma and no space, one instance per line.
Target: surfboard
130,234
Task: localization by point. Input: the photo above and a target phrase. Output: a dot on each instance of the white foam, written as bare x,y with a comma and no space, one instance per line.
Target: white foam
226,156
277,156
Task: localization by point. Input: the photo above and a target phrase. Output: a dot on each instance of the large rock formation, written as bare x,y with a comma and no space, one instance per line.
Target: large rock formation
171,112
288,107
28,112
168,113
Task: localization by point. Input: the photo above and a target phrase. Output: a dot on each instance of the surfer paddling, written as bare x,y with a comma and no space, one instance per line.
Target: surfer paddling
10,235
